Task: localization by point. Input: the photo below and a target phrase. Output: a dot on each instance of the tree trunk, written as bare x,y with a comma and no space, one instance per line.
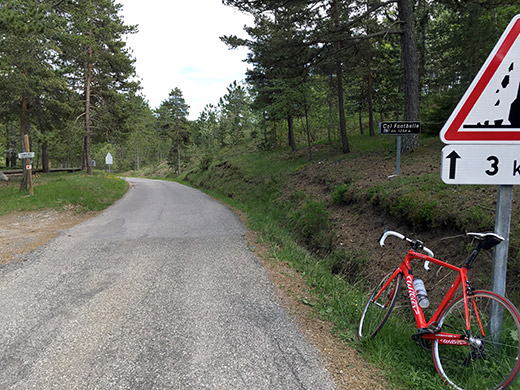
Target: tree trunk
360,112
23,130
370,83
410,69
88,81
309,142
290,124
45,153
45,157
339,80
275,135
370,101
178,151
12,146
331,108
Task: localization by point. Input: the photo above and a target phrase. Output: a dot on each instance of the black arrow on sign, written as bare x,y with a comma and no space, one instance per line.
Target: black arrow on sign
453,156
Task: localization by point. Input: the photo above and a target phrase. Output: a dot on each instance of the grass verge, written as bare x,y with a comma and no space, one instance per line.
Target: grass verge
77,191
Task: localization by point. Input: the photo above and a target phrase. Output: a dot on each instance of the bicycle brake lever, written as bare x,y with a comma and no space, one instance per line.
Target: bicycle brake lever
427,263
381,241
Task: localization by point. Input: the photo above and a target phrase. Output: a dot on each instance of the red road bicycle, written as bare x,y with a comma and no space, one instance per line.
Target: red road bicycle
474,337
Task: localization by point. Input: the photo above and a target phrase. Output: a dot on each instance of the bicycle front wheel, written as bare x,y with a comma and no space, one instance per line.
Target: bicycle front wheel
379,306
490,359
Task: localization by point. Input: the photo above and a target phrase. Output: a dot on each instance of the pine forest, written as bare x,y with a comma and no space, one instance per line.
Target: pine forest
319,71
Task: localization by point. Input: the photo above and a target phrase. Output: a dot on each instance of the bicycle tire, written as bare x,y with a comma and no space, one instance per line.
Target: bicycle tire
490,361
375,313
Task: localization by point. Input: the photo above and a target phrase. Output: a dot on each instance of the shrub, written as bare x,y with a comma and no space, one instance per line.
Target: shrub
312,227
338,194
349,264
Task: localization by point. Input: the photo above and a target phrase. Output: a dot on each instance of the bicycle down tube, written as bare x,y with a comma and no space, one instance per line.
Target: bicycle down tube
405,269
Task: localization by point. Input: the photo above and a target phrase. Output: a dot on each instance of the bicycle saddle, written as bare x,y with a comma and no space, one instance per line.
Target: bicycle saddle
488,240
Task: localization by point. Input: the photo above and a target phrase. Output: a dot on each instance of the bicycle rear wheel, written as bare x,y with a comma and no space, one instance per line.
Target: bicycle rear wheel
377,310
490,361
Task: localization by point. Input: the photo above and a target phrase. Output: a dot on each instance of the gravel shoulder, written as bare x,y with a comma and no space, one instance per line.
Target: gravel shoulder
22,232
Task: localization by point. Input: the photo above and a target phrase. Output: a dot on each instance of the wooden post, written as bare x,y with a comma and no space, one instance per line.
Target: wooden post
28,163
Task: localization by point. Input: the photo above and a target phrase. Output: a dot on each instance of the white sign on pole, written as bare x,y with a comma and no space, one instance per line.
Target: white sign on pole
26,155
108,159
481,164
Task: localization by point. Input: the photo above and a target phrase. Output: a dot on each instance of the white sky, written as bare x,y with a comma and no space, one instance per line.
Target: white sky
178,45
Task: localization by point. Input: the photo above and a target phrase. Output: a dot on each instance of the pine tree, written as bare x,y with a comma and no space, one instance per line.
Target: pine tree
99,62
173,117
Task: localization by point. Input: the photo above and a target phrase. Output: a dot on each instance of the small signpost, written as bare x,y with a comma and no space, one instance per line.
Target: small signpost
399,128
109,160
481,134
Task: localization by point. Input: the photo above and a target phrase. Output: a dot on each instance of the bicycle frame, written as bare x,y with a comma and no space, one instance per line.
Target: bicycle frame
462,278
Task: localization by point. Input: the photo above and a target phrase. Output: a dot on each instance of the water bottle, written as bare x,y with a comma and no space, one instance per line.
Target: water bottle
420,290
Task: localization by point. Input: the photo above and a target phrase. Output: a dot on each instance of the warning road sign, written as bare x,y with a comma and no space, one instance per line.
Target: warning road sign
489,111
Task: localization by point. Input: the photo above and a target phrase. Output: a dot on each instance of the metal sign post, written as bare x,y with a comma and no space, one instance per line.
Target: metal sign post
399,129
502,228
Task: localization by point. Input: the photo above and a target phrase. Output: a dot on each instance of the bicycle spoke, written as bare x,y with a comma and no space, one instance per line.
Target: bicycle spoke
491,357
378,309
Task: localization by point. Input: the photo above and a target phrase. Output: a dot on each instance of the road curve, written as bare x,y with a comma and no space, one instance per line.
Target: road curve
158,292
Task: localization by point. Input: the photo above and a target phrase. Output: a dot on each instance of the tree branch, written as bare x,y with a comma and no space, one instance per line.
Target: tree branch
374,35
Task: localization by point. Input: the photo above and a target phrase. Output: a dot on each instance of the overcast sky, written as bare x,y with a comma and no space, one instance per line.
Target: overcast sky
178,45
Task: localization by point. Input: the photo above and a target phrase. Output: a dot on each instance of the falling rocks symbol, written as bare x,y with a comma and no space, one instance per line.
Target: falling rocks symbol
514,112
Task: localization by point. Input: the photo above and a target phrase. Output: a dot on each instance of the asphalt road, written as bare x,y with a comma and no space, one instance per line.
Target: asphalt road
158,292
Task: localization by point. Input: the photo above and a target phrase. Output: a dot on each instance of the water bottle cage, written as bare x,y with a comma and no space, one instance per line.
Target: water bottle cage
469,288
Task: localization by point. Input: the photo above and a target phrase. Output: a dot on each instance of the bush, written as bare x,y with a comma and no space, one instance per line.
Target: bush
205,161
338,194
312,227
349,264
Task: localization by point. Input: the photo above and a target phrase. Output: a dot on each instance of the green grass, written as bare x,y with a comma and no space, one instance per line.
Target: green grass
63,190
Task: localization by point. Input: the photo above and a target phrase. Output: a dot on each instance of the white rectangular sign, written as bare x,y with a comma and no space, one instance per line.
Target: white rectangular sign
481,164
26,155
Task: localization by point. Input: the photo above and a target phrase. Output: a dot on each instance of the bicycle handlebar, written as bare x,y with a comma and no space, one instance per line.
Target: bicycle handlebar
412,242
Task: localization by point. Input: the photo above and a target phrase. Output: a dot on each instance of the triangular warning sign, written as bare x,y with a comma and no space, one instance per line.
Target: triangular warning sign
489,111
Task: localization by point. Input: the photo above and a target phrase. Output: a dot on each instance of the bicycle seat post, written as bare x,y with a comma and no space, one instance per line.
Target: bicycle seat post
473,255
